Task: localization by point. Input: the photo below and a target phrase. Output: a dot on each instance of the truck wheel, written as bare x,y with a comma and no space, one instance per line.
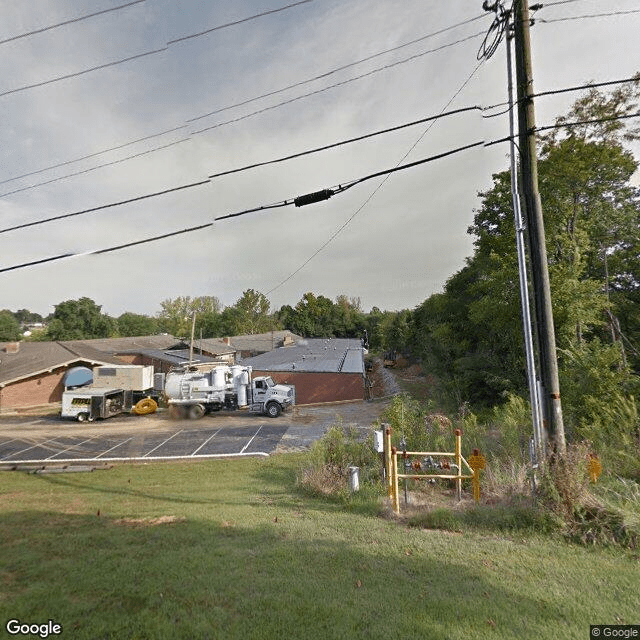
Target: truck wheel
273,409
176,412
82,417
196,412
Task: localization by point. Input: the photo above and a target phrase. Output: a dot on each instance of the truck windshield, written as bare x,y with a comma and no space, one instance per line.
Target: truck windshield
269,382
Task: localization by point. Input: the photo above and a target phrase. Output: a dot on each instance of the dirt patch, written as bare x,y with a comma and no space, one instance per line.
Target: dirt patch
148,522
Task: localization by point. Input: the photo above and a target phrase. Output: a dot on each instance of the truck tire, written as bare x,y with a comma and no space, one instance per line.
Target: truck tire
82,417
176,412
196,411
273,409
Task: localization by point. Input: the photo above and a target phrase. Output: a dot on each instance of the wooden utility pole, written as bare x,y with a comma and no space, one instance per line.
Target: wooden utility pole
552,406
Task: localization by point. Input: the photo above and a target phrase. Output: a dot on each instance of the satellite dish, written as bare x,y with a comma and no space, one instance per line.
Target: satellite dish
78,377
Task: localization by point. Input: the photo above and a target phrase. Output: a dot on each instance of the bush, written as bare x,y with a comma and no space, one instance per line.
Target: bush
330,458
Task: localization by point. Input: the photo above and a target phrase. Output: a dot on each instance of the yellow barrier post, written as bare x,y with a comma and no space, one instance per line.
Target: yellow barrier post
387,462
458,434
394,466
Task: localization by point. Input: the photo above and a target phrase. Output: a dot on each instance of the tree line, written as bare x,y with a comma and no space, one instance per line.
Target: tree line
314,316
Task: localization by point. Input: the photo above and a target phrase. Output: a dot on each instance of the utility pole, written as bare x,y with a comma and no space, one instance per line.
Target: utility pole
553,423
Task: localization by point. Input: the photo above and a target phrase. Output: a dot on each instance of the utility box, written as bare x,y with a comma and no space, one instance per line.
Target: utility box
131,377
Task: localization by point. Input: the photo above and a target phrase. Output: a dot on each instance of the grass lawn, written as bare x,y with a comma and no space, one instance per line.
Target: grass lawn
230,549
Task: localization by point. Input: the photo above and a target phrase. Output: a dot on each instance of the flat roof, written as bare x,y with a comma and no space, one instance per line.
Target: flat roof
335,355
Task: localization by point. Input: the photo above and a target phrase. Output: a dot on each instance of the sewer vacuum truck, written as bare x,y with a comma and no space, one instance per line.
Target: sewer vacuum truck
194,391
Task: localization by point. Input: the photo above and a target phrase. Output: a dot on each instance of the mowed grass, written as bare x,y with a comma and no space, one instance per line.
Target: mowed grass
230,549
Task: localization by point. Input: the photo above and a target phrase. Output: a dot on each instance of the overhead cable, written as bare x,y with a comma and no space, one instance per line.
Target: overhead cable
102,207
71,21
344,142
236,22
308,152
340,188
83,72
335,190
93,155
373,193
249,100
336,70
100,166
591,15
338,84
146,53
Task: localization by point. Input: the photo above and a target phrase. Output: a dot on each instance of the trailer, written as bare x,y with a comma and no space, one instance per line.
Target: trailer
86,404
115,389
194,391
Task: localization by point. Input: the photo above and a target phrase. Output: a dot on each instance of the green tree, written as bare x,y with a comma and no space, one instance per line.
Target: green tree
9,327
252,313
134,324
79,320
176,315
470,335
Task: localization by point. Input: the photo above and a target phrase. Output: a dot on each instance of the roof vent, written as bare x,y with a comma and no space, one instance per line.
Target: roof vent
12,347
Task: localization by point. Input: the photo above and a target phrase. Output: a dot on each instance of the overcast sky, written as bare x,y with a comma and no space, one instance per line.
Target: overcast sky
404,242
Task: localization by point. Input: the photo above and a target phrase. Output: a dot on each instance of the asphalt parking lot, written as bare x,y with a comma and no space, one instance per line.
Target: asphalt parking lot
49,440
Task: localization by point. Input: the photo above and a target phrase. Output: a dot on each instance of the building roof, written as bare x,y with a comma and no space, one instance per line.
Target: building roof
174,356
117,345
215,346
263,342
337,355
34,358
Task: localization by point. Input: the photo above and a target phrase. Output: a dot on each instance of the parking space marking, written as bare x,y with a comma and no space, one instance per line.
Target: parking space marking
29,448
252,439
114,447
206,441
167,440
73,446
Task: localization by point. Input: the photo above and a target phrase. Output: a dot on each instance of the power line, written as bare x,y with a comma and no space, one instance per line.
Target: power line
325,194
71,21
432,119
105,206
298,201
338,84
81,73
253,99
90,169
142,55
92,155
236,22
170,190
337,69
591,15
374,192
344,142
583,122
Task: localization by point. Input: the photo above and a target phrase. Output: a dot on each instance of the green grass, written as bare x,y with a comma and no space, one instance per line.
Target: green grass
231,549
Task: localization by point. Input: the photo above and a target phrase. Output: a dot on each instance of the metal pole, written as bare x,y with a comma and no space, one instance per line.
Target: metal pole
535,224
536,414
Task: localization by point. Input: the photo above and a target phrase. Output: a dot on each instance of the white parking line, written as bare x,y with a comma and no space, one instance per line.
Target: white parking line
167,440
28,448
73,446
250,441
205,442
114,447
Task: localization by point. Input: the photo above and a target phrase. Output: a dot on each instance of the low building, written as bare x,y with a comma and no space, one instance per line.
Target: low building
32,373
248,346
322,370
